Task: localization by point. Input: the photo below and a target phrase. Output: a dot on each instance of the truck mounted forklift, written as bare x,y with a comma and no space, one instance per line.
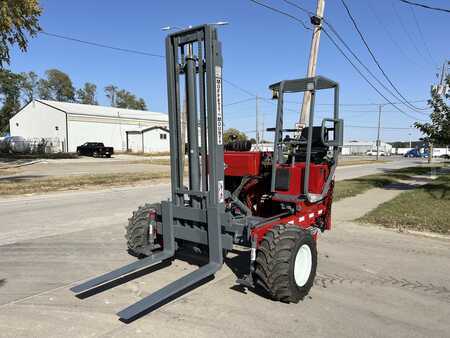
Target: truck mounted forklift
273,203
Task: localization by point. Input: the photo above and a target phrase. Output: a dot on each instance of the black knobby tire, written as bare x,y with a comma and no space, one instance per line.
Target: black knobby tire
137,230
275,261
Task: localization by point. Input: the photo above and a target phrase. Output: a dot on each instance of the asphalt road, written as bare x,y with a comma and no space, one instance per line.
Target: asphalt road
371,282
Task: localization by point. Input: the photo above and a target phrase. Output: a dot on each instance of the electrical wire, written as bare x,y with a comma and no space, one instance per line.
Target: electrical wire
133,51
422,36
241,101
402,24
282,12
390,35
426,6
406,102
239,88
372,127
304,10
364,77
417,109
96,44
362,64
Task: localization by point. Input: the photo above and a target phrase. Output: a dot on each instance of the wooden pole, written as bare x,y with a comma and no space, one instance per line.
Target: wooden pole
304,114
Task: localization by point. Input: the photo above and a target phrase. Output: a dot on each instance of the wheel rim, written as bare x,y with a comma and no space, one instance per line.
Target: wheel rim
302,265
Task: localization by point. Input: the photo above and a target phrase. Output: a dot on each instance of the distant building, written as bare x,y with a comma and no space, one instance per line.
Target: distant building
361,147
148,140
74,124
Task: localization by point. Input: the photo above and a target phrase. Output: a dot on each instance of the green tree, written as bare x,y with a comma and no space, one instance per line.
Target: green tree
56,86
232,134
110,92
125,99
10,85
29,85
87,94
437,131
17,19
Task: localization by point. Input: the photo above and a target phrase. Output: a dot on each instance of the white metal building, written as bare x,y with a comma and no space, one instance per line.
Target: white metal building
148,140
360,147
75,124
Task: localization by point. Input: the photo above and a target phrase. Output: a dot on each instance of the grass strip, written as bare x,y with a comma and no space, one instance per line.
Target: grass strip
356,186
426,208
22,185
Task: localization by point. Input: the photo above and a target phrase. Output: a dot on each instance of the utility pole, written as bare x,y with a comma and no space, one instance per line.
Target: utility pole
257,123
378,134
410,137
317,22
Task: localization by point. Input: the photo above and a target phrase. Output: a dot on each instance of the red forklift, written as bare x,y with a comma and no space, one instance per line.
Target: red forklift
274,203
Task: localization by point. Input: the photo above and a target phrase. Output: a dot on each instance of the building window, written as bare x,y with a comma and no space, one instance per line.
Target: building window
17,124
163,136
56,128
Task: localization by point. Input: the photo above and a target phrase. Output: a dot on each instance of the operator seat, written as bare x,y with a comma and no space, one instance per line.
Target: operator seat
318,149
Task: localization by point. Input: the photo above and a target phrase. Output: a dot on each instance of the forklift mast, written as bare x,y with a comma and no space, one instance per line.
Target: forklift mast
196,212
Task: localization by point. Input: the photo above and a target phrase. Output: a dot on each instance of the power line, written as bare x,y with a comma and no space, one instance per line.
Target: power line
421,35
363,76
240,101
282,12
239,88
374,58
373,127
425,6
361,63
134,51
388,33
127,50
299,7
359,60
96,44
402,24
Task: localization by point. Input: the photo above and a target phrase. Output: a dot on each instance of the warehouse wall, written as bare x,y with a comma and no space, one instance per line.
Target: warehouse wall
37,120
112,132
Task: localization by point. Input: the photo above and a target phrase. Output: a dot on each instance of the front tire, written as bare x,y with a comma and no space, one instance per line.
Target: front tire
137,230
286,263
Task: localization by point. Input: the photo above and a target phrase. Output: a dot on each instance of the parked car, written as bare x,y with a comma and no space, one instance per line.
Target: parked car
95,149
417,154
374,153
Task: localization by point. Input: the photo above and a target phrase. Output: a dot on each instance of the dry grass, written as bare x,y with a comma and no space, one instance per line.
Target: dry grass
7,172
19,185
39,156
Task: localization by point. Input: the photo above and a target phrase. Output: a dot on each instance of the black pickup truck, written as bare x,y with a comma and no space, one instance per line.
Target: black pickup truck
95,149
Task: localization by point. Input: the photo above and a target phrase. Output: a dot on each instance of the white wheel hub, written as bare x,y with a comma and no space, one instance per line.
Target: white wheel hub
302,265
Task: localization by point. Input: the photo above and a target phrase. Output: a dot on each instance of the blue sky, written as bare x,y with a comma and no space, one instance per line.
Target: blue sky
259,46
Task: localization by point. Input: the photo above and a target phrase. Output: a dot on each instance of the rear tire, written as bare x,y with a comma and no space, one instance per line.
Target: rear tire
137,234
286,263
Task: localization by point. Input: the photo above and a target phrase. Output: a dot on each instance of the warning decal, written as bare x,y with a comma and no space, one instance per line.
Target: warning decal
220,191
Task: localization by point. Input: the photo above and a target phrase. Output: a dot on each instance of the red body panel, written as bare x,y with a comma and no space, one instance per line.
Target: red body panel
242,163
307,216
239,164
317,177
